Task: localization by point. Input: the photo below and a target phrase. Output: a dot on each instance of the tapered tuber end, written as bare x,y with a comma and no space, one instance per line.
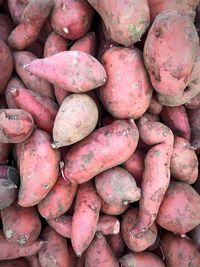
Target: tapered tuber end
116,228
14,92
62,165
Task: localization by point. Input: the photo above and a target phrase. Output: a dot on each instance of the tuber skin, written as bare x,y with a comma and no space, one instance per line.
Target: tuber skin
85,44
117,244
154,107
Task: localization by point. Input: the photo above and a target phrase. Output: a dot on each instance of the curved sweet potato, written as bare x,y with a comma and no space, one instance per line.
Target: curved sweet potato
85,44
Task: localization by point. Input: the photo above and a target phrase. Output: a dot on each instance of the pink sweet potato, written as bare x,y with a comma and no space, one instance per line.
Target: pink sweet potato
74,71
54,251
180,209
105,148
43,109
127,92
142,242
14,82
184,162
117,244
16,125
85,44
85,218
5,27
71,18
125,22
39,167
157,165
179,251
32,19
31,81
170,69
15,263
176,119
21,226
117,186
58,200
99,254
55,44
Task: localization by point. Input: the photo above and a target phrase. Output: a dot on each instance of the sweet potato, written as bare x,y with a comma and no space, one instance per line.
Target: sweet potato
71,70
85,44
58,200
31,81
4,152
99,253
14,263
5,27
116,186
71,18
16,8
14,82
135,165
154,106
177,120
105,148
21,226
85,218
184,162
141,259
108,225
157,165
117,244
13,251
193,117
76,119
43,109
180,209
32,19
127,92
33,261
170,69
179,251
6,65
126,21
54,44
142,242
39,167
16,125
195,236
55,251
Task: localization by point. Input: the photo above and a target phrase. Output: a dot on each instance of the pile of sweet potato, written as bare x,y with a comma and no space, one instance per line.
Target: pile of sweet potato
99,133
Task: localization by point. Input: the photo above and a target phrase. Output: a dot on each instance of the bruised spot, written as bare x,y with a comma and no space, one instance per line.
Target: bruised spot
87,157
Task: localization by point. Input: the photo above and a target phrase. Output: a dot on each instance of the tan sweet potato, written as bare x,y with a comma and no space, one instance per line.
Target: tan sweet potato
76,119
170,69
117,244
99,253
180,209
71,18
117,186
16,125
39,167
55,251
58,200
14,263
54,44
5,27
14,82
125,22
65,70
32,19
21,226
157,165
184,162
179,251
85,44
43,109
127,91
105,148
142,242
31,81
85,217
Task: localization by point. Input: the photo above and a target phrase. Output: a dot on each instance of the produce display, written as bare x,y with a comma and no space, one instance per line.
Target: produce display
99,133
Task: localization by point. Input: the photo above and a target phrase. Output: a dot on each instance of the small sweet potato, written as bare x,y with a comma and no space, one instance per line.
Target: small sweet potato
21,226
85,217
170,69
177,120
58,200
71,18
180,209
105,148
39,167
99,254
141,259
85,44
125,22
74,71
54,44
184,162
127,91
116,186
14,82
117,244
15,263
5,27
179,251
16,125
55,250
77,118
32,19
142,242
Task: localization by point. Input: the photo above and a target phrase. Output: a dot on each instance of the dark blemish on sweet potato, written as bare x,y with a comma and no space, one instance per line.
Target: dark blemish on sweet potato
88,157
